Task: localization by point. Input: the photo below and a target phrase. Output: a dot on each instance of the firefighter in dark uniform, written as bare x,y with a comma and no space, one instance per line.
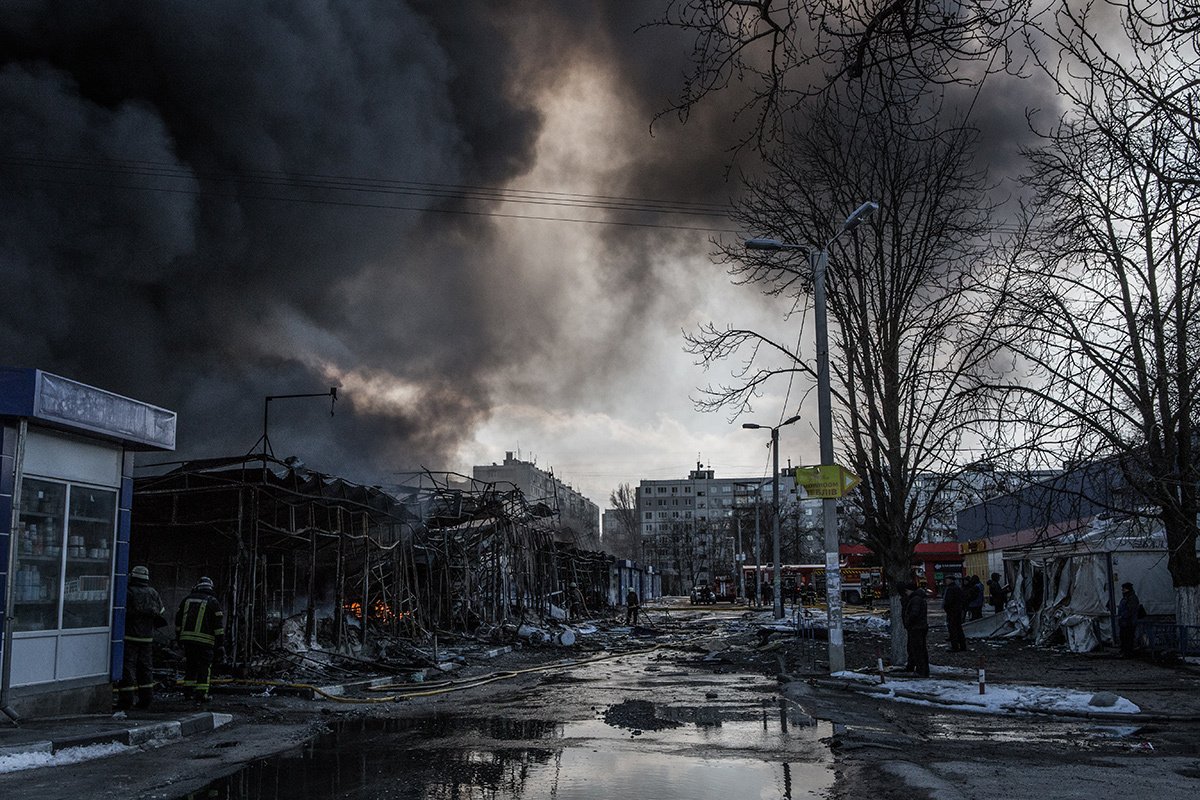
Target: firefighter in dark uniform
143,613
200,628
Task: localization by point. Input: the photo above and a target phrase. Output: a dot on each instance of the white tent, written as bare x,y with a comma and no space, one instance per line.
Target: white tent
1071,584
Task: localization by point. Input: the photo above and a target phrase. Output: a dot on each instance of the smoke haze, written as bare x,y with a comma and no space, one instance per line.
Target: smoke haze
179,223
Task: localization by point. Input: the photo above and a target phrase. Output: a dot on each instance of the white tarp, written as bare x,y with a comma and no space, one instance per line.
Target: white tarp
1079,578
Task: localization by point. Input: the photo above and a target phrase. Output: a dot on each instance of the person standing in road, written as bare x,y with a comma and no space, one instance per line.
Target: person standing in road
632,607
578,604
200,628
916,624
954,604
1129,611
975,598
143,613
997,593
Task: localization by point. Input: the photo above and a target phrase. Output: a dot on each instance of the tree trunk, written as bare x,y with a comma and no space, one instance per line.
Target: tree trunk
1184,568
1187,605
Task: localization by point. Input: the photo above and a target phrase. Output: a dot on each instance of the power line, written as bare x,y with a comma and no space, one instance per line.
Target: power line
333,186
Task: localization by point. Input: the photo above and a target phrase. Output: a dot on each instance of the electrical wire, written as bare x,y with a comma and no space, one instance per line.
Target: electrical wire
341,191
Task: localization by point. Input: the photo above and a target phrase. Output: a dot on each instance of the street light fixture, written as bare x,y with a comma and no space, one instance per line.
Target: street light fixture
819,260
777,594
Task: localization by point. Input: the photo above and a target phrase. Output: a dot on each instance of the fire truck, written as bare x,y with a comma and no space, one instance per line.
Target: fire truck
807,582
862,577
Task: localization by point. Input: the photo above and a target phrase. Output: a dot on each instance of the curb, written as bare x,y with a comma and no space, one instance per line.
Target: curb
202,722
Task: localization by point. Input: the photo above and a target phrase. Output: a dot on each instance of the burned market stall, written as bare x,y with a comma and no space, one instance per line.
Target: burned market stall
305,561
282,543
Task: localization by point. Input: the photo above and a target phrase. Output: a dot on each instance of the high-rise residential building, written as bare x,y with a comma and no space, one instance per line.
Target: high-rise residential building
579,518
693,528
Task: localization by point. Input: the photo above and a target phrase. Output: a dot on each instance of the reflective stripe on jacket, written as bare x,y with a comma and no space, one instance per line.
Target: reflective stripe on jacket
200,619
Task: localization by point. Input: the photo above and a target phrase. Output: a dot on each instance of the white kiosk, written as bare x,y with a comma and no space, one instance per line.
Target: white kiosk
66,486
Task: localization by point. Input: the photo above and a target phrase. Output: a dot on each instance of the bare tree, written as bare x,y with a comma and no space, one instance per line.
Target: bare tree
787,51
626,540
907,301
1108,296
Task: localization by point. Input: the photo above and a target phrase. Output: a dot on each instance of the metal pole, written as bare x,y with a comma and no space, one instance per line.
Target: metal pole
833,572
737,562
778,583
758,546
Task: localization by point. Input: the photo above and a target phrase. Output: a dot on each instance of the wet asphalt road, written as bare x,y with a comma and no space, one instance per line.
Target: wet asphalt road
636,727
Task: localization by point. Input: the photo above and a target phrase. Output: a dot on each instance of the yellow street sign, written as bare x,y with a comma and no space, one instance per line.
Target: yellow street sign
830,481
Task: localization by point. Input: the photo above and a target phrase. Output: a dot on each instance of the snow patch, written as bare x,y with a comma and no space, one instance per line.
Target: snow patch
999,698
69,755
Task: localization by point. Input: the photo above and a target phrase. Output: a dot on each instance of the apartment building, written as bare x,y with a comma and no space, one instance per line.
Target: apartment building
579,517
697,527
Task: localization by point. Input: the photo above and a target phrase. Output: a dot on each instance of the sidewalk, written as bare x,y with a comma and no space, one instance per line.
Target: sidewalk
50,735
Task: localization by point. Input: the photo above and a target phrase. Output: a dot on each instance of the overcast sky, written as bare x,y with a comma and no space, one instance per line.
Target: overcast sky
205,203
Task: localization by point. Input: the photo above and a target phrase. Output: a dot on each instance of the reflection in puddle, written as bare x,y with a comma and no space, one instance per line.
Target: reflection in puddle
769,752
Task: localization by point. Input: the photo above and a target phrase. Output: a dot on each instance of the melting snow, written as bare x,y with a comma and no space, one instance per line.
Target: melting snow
999,698
68,755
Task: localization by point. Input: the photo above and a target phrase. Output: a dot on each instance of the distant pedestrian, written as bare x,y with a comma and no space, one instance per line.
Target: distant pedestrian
632,607
997,593
200,628
916,624
578,605
974,593
954,604
143,613
1129,611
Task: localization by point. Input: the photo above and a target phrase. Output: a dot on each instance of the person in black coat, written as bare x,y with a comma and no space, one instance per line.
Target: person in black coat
916,624
974,592
997,593
1129,611
632,606
954,604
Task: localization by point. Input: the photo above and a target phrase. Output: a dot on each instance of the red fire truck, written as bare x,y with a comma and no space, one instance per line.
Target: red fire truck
862,576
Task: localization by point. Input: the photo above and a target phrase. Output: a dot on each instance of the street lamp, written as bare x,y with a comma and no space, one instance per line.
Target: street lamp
833,571
777,594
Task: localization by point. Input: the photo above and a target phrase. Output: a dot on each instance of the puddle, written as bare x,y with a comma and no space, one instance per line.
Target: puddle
757,752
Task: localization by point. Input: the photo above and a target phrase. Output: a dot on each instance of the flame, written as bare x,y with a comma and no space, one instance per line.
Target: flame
380,611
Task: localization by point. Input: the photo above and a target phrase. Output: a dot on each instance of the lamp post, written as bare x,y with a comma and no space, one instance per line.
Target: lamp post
833,572
777,594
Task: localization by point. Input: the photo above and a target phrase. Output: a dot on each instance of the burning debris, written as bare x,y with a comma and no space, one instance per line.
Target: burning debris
297,556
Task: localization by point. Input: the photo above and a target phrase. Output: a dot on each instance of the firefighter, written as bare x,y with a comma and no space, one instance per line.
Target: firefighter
143,613
200,628
632,606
